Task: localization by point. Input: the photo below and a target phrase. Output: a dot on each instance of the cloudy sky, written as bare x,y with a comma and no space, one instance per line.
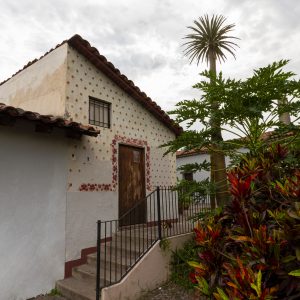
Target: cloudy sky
143,38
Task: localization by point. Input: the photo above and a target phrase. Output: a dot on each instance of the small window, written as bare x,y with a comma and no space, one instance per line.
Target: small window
136,156
188,176
99,112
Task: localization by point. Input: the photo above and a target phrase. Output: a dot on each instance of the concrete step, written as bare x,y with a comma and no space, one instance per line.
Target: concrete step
75,289
116,258
88,272
92,260
117,261
181,226
135,241
137,234
124,249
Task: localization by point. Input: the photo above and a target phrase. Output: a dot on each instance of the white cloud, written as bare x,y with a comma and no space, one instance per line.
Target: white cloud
143,38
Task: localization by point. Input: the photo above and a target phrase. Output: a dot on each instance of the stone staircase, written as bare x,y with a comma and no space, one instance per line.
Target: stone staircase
117,257
125,248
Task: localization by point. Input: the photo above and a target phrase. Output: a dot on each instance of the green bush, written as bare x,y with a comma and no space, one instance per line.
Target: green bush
179,268
250,249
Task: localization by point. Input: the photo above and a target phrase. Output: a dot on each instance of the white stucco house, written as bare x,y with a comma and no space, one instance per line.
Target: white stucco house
55,189
189,157
184,157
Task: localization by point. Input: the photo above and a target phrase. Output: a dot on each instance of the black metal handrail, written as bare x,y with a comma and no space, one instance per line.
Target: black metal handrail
136,205
122,242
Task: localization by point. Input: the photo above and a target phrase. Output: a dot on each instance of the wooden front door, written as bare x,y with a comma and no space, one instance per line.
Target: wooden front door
131,185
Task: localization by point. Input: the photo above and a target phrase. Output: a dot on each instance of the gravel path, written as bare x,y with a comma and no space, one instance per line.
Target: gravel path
169,291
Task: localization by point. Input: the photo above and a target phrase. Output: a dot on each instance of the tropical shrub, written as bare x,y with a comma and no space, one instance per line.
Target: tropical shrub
251,248
180,270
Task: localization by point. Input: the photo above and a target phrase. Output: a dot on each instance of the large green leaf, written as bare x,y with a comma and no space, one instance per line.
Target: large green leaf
222,294
195,264
295,273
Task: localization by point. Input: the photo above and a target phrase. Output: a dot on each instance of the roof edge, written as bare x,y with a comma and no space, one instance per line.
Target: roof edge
15,113
100,62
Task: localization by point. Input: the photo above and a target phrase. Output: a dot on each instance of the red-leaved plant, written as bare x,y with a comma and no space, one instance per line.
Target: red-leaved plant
251,249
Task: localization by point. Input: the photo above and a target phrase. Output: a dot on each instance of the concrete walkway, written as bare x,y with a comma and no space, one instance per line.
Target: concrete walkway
168,291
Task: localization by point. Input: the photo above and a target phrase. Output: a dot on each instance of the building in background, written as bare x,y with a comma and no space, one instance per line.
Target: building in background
184,157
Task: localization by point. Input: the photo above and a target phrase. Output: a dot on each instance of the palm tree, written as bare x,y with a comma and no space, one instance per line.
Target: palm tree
209,41
285,117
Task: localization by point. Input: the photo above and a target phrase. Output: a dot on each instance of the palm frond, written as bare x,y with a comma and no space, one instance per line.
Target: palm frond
209,36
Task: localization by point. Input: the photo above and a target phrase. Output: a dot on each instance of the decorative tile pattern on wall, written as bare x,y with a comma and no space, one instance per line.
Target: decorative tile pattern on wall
92,165
95,187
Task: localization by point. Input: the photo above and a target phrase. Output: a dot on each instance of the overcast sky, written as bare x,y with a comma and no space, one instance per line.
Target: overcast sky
143,38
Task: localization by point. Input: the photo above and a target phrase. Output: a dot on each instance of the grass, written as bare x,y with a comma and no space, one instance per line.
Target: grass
54,292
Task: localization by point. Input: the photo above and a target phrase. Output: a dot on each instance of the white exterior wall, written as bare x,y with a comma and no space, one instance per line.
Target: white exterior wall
32,215
199,158
83,211
92,161
41,86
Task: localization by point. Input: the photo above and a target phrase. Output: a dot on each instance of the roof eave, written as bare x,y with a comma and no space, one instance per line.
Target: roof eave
100,62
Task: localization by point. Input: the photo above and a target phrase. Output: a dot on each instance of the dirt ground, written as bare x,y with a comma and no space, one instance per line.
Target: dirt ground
169,291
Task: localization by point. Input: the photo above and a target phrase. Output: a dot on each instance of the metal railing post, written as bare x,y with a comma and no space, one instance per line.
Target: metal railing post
98,260
158,213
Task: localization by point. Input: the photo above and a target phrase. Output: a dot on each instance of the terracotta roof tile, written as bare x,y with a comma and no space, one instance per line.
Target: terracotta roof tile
183,153
51,121
101,63
269,136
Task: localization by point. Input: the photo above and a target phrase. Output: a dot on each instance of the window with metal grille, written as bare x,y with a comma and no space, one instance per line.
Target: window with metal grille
99,112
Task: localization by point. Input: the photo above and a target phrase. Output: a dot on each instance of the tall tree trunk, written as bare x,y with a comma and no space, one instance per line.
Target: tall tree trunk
284,117
217,158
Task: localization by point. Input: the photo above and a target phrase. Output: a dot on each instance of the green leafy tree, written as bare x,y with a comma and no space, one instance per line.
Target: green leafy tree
209,41
248,109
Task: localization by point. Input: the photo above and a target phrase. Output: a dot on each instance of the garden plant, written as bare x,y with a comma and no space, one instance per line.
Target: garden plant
250,247
210,41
